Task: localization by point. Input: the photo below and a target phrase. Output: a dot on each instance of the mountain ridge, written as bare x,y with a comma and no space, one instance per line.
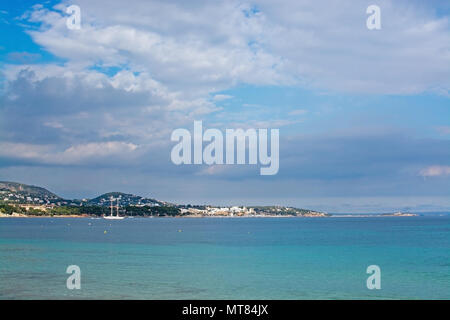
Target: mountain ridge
22,191
25,193
124,199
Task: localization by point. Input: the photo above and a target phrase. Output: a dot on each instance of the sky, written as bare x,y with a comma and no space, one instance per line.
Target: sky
364,115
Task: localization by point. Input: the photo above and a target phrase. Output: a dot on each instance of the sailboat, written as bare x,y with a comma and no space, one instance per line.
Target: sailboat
112,217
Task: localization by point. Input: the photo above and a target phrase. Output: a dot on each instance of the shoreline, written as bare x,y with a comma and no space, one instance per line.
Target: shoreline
221,217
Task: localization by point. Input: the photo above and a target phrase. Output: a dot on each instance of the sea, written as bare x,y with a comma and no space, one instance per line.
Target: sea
226,258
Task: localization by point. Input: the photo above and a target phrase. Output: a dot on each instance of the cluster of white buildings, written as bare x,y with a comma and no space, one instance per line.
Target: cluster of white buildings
19,198
8,196
219,211
127,200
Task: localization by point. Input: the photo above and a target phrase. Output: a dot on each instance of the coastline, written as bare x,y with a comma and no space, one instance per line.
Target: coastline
19,215
218,216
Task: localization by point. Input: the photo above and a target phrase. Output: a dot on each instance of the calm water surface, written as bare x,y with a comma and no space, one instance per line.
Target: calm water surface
217,258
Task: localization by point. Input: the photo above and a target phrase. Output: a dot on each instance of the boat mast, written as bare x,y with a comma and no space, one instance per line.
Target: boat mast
117,207
111,205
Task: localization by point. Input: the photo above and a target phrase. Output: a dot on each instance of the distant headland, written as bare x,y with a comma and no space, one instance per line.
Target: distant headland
21,200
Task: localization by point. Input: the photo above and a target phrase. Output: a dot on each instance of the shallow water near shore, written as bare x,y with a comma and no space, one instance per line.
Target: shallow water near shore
244,258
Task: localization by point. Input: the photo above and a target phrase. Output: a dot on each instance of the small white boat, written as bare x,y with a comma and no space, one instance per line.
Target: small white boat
114,217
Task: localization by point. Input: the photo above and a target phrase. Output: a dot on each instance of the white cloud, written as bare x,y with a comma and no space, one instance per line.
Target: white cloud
202,48
73,155
53,124
435,171
208,46
173,57
444,130
214,170
75,106
298,112
221,97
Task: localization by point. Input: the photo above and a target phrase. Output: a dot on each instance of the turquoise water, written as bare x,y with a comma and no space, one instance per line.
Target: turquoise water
217,258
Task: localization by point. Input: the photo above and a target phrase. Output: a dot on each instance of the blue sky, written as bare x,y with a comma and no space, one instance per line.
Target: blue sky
363,114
